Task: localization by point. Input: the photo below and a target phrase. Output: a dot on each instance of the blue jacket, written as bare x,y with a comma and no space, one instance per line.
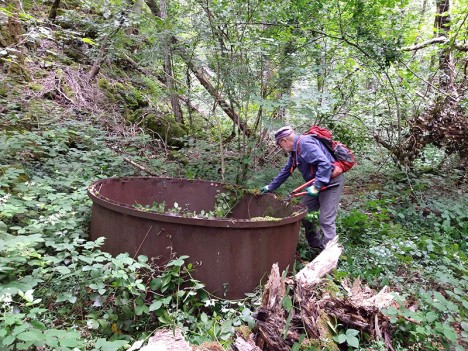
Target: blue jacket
314,161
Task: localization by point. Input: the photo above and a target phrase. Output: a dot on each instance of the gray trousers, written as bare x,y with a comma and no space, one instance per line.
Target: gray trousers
327,204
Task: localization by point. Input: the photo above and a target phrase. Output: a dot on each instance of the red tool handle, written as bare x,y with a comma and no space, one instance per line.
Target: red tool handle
334,174
321,189
303,186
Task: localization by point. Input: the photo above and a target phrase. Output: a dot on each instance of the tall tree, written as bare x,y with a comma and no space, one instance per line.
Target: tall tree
168,72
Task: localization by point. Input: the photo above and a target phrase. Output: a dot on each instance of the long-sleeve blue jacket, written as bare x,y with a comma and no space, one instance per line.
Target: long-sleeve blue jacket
313,160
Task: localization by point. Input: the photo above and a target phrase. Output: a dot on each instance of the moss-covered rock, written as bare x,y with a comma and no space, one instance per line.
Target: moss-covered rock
161,125
123,93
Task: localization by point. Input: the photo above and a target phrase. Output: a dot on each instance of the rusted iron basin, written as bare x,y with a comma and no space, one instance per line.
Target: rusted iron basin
232,255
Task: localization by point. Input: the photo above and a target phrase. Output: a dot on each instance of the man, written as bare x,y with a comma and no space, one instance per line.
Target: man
314,161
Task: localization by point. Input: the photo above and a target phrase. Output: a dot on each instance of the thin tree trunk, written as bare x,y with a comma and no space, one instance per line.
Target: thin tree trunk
199,73
53,10
162,83
170,82
441,28
10,36
285,81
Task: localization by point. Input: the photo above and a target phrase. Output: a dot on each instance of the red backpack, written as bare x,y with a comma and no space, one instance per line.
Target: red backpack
344,157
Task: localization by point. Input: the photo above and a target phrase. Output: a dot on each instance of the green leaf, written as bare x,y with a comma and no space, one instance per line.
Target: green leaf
88,41
340,338
104,345
165,319
287,303
156,284
38,325
352,332
69,342
155,306
431,316
140,307
31,335
352,341
450,333
178,263
391,311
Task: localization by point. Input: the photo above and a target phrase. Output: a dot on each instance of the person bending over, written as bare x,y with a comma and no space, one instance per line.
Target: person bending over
314,161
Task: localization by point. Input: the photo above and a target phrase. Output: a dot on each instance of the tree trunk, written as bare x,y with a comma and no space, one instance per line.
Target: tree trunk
10,36
285,81
53,10
199,73
441,29
170,82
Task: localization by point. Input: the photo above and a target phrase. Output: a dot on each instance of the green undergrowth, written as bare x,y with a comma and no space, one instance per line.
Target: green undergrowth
410,233
58,290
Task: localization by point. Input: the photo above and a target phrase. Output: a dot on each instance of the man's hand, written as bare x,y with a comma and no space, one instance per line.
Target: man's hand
312,190
265,190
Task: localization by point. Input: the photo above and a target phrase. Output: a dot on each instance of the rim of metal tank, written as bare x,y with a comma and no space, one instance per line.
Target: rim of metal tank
299,212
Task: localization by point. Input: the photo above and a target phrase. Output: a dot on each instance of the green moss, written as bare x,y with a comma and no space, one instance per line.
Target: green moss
326,335
244,331
121,93
175,155
166,128
3,91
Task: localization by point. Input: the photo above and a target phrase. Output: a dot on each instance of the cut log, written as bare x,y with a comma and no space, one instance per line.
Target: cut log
167,340
323,264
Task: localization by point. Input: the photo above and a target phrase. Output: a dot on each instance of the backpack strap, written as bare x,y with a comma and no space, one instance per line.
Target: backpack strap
316,137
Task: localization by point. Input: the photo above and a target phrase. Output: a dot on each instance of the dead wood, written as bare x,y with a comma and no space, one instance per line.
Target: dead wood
73,87
323,264
315,306
164,339
271,317
140,167
241,344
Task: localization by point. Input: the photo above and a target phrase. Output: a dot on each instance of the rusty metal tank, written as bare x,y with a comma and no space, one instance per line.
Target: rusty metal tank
231,255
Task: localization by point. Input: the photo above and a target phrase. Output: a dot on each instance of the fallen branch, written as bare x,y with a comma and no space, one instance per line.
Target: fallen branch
323,264
144,169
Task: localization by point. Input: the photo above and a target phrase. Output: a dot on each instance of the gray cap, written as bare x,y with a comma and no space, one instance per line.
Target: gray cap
283,132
